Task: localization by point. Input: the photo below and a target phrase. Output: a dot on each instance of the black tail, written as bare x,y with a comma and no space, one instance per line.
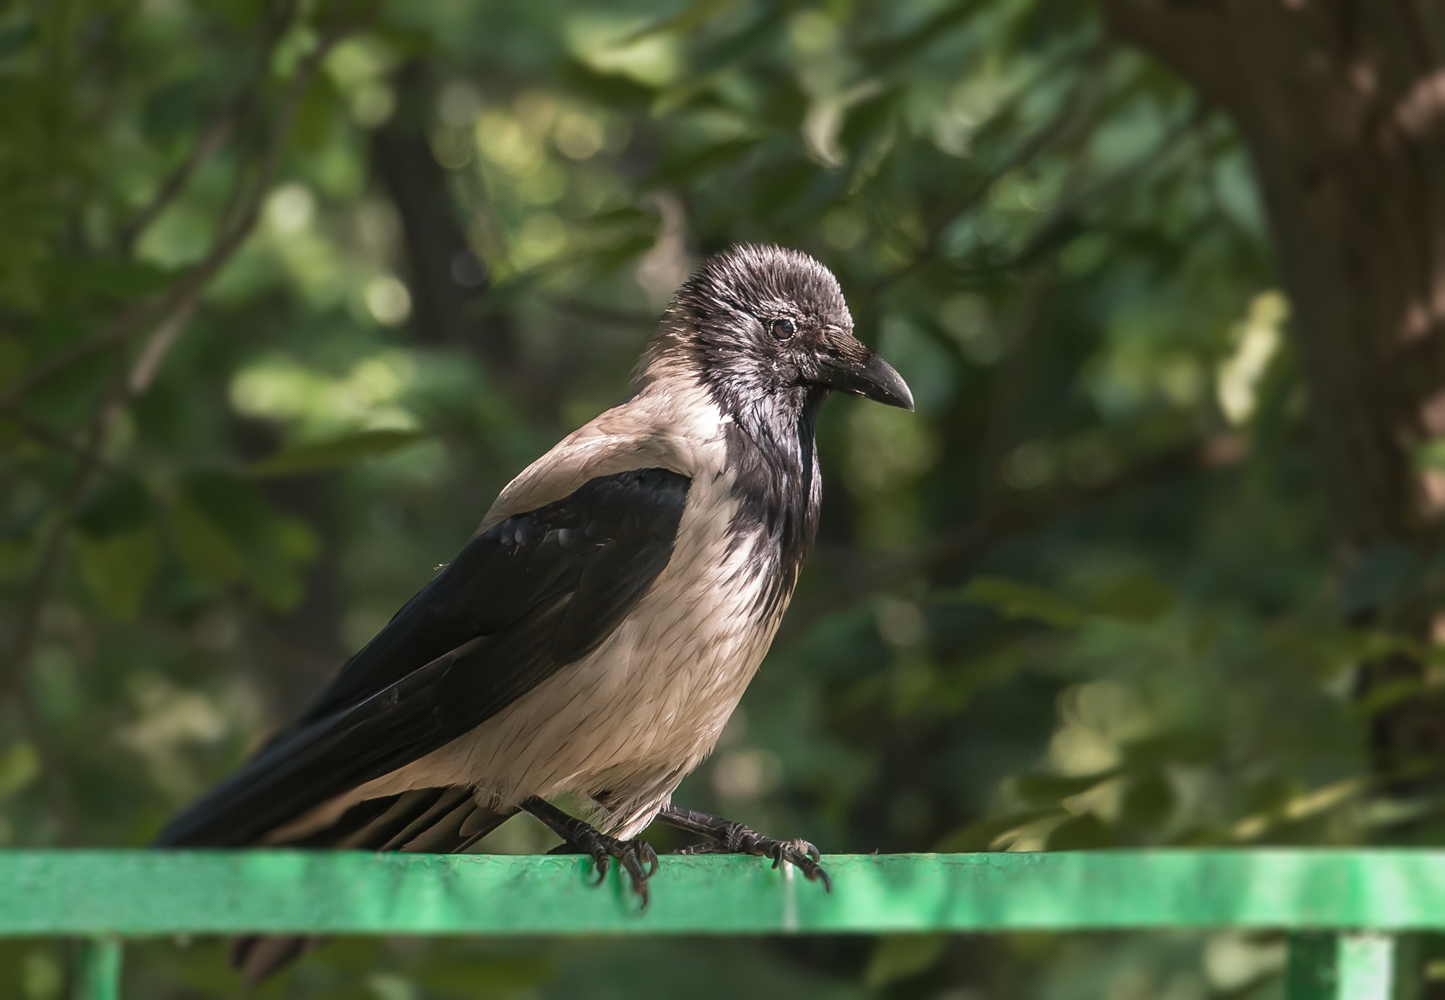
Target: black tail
422,821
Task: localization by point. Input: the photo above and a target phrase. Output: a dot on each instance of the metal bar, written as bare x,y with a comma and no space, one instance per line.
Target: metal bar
140,893
1311,972
1325,966
1366,964
98,972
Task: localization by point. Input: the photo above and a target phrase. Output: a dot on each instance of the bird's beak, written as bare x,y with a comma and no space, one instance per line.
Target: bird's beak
864,373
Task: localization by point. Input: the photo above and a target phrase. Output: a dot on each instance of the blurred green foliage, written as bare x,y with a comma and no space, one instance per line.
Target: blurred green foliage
289,290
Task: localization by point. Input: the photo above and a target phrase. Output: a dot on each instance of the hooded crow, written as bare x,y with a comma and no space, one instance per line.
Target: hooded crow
597,632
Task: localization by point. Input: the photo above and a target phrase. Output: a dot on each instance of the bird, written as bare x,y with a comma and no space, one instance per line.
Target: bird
598,630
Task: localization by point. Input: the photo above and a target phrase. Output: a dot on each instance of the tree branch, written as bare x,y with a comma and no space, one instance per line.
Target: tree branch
44,435
1046,135
1051,131
1191,37
176,305
15,682
206,146
177,298
599,313
134,318
1010,514
1067,214
1011,384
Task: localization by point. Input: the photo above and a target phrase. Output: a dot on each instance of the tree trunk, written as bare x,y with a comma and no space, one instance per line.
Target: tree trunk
445,276
1342,106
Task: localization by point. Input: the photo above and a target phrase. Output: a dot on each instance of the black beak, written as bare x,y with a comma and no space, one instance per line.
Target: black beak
871,377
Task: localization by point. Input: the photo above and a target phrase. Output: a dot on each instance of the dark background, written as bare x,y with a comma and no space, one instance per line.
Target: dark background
288,291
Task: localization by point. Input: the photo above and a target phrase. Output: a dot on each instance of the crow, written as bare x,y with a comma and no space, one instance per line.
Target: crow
598,630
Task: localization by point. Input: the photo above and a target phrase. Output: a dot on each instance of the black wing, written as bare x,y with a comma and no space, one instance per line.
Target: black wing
523,599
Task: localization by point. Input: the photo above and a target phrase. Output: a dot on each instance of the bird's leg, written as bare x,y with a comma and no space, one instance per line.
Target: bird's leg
729,837
638,858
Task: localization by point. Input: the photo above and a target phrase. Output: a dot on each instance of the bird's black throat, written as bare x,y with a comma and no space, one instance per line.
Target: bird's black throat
772,452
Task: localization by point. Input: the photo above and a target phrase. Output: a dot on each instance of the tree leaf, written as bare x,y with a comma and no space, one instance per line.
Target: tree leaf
19,766
333,454
1081,833
1149,800
1042,789
274,569
121,507
226,532
978,835
203,547
899,956
118,569
105,277
1012,599
1137,598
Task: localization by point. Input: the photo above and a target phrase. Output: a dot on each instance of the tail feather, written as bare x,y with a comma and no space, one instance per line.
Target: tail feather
448,801
422,821
259,958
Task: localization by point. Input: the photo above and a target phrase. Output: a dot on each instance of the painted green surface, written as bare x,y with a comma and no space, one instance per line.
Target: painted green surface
1366,965
138,893
1310,972
98,975
1352,966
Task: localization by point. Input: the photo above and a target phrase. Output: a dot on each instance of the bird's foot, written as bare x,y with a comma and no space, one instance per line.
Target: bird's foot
637,857
738,838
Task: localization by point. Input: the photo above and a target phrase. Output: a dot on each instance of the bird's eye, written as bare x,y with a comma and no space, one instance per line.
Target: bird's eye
783,328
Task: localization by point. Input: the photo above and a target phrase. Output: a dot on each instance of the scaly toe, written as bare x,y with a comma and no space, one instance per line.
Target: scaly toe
812,871
806,847
706,847
602,864
805,857
634,856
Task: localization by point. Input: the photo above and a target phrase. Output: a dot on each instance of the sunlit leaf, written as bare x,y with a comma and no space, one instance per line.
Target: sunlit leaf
19,766
1387,695
1138,598
982,834
336,453
1013,599
1431,455
1039,789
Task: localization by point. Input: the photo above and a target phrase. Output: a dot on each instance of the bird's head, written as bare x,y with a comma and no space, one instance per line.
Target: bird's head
758,324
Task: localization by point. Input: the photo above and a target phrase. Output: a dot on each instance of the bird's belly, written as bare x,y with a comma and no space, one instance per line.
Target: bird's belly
627,722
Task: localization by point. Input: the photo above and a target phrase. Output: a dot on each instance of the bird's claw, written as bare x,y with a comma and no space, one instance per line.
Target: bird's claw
744,840
637,858
801,854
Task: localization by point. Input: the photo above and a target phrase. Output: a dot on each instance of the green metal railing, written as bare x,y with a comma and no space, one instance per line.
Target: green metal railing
1341,907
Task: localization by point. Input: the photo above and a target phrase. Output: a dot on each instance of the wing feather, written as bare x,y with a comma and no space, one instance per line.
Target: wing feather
527,596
